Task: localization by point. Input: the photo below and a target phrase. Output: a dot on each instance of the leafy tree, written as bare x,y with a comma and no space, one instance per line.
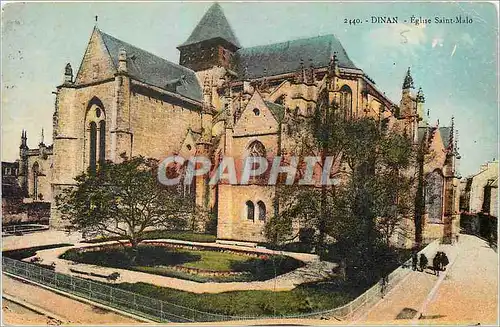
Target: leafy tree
124,199
355,218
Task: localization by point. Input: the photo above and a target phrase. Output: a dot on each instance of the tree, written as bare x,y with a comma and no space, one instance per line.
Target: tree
124,199
363,212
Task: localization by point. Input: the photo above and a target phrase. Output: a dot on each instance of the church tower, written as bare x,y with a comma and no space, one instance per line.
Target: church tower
212,43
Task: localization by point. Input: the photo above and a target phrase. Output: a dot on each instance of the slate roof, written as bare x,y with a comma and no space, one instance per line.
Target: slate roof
151,69
277,110
444,131
421,133
285,57
211,26
445,135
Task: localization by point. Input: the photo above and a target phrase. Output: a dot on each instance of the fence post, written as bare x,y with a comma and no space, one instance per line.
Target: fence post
161,310
90,289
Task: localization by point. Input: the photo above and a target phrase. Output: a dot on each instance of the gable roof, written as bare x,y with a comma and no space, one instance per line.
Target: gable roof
277,110
285,57
154,70
213,25
443,131
445,135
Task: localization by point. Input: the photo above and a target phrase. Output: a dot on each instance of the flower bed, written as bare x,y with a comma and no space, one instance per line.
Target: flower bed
203,263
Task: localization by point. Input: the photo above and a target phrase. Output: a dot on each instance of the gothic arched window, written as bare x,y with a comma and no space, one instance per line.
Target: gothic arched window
250,210
93,146
95,137
262,210
102,142
346,102
256,149
434,196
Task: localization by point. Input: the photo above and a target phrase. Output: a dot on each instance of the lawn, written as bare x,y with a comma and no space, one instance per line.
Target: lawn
211,260
303,299
166,234
160,261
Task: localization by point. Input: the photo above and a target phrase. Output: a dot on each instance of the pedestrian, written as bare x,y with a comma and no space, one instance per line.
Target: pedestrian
444,260
423,262
435,264
383,285
414,260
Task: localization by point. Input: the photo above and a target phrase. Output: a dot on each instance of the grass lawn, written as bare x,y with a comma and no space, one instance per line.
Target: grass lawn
159,260
211,260
305,298
157,234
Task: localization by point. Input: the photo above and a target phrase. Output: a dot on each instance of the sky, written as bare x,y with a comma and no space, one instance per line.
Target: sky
455,64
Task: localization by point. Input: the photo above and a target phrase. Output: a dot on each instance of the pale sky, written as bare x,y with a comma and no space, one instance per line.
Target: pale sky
456,64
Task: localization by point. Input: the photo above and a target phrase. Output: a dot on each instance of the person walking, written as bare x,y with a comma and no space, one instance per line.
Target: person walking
423,262
444,261
435,264
414,260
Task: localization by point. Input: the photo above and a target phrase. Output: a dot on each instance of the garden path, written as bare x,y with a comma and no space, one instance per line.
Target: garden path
314,270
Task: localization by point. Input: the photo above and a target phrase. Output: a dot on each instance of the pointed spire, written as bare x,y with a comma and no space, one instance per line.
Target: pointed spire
333,65
451,143
300,74
213,25
408,82
24,139
310,72
420,95
68,74
455,148
42,137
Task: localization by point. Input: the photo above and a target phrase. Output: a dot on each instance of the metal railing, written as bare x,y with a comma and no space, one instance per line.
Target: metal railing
26,228
163,311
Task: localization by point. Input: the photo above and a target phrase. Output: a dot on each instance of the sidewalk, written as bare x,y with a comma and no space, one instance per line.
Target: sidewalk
72,311
464,294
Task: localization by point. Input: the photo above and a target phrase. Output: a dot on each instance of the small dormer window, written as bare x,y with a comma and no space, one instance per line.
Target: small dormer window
256,112
189,147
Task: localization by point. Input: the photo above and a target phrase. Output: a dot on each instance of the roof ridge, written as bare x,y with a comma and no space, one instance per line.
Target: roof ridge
292,40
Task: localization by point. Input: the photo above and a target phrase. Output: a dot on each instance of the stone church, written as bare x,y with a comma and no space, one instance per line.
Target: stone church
223,99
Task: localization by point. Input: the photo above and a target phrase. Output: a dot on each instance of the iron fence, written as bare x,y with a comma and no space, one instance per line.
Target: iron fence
163,311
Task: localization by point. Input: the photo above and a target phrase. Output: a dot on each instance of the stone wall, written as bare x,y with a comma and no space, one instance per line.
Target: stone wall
233,223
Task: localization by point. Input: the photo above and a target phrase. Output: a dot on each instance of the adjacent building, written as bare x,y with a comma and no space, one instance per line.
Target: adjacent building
479,201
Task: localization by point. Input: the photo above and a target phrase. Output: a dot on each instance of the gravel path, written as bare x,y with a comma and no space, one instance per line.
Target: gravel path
74,312
314,270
